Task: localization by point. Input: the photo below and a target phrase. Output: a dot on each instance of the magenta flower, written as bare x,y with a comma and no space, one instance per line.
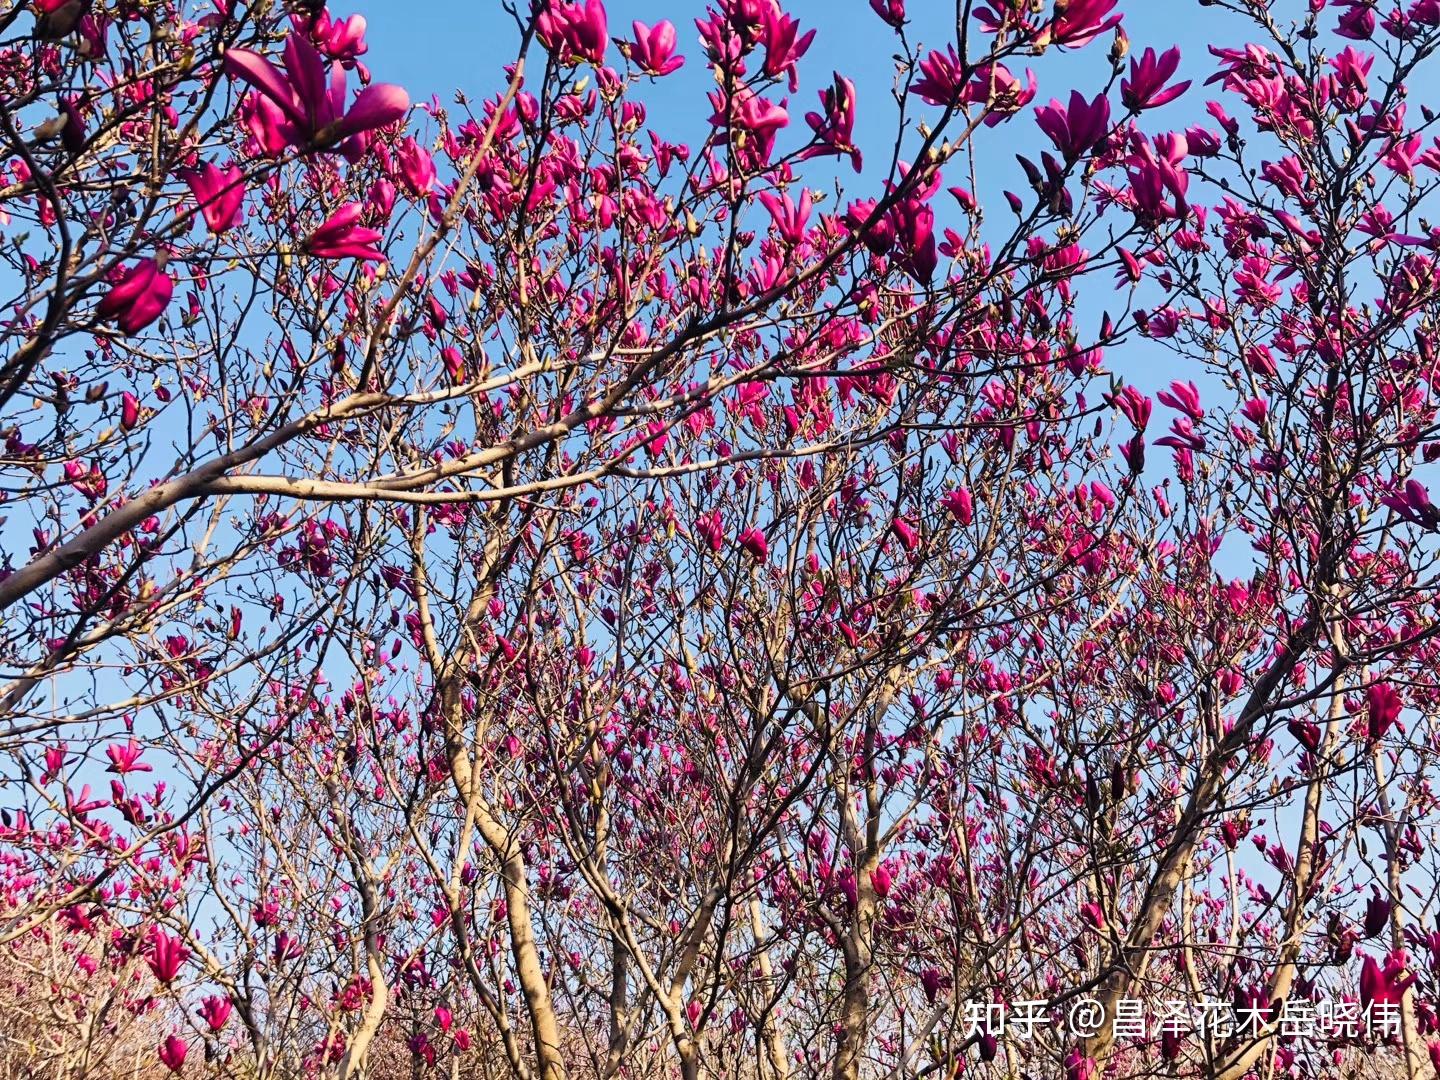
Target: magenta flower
167,955
573,33
215,1011
995,87
653,49
1386,985
1413,503
906,533
1306,732
892,11
784,44
139,298
341,236
753,123
1358,23
879,236
172,1053
1074,129
1184,397
941,79
753,541
916,250
310,101
960,504
220,193
1145,88
1377,915
126,759
417,167
1155,181
1382,706
1078,23
1351,80
1080,1067
788,218
932,982
834,128
339,39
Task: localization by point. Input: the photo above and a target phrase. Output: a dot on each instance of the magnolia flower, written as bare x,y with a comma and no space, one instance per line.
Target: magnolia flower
1377,915
126,759
752,121
220,193
960,505
941,78
1145,88
753,541
307,104
340,39
417,167
573,32
215,1011
1075,128
172,1053
789,219
892,11
653,49
1079,22
1383,707
1387,985
931,982
167,955
834,128
139,298
879,235
784,44
129,411
341,236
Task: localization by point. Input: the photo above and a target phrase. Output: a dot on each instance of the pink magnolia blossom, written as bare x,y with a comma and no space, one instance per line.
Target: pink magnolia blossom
219,192
417,167
139,297
341,236
307,104
1076,128
1145,88
1382,709
753,122
788,217
129,411
834,127
753,541
172,1053
784,44
125,758
1377,915
1385,985
1412,502
167,955
653,49
574,32
215,1011
339,39
892,11
1079,22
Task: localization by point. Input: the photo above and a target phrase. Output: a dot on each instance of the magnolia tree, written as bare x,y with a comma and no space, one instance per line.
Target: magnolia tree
516,589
